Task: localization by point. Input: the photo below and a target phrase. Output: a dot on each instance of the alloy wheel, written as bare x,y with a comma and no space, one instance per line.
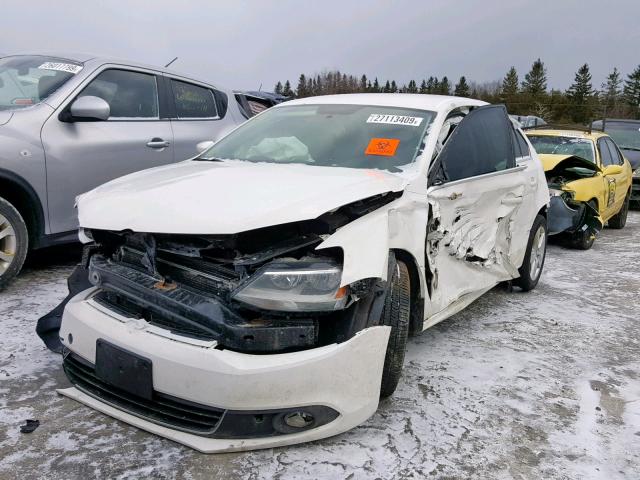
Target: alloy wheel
536,257
8,244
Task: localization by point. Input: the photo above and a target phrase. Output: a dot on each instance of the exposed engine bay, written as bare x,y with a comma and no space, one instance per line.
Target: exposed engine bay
195,286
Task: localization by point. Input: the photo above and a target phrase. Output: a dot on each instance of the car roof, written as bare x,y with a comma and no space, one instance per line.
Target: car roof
84,58
404,100
556,132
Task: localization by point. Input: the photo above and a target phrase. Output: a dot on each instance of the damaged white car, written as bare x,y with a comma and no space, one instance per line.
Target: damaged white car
262,294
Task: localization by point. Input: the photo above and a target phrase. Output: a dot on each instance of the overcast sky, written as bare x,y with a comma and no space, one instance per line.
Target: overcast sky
242,44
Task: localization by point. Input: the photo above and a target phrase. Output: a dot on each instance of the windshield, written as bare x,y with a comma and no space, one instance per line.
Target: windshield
352,136
27,80
580,147
626,135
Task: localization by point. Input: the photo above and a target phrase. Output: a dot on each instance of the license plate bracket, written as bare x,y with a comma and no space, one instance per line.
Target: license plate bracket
123,369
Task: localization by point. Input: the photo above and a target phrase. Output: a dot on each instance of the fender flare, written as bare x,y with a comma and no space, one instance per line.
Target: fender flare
39,223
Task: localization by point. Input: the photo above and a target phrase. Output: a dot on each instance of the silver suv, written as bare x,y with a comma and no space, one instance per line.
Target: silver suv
69,123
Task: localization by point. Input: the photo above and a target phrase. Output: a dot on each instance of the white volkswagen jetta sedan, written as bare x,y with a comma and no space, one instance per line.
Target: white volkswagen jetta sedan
262,293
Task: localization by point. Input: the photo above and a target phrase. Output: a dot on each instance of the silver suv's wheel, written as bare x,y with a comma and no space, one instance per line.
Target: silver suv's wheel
14,242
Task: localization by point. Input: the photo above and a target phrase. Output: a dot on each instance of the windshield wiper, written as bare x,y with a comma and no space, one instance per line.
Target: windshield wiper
211,159
626,147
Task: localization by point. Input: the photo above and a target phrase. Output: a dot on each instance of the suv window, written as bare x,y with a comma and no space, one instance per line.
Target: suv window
482,143
605,154
129,94
615,153
193,101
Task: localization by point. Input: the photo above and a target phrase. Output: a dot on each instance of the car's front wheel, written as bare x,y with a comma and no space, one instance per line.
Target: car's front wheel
533,262
14,242
396,314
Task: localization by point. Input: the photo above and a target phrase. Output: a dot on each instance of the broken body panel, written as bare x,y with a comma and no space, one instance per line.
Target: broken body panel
169,250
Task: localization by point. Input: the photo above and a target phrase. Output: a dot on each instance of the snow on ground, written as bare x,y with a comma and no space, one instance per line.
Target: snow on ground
537,385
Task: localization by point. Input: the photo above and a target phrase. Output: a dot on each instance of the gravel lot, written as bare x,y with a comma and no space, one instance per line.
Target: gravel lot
537,385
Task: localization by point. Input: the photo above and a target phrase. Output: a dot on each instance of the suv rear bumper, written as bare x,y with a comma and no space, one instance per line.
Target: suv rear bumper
344,377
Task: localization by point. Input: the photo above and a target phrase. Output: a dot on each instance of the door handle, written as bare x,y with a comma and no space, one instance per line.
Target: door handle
158,143
455,195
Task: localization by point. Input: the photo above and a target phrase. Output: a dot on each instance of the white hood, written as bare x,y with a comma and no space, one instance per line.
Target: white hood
204,197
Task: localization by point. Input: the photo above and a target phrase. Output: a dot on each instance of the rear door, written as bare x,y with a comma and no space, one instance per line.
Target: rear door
81,155
480,211
200,115
622,180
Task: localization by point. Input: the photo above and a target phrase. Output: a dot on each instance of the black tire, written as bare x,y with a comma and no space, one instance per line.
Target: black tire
528,279
619,220
16,223
583,240
396,314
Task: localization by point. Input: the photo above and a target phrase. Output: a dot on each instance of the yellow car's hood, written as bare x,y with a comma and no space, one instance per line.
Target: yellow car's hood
550,161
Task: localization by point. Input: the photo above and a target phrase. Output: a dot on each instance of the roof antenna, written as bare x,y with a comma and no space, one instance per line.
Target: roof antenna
170,62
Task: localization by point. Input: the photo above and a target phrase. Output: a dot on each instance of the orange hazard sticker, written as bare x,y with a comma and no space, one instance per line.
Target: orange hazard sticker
382,146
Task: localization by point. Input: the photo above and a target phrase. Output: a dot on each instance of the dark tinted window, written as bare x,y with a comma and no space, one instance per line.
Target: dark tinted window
193,101
129,94
482,143
615,154
605,154
522,144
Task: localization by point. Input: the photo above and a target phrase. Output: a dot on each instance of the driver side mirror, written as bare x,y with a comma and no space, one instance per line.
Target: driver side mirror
90,108
613,170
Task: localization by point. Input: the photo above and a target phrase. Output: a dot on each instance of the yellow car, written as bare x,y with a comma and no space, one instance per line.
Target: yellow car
589,180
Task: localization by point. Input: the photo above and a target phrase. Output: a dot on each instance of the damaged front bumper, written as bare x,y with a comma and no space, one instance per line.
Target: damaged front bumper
566,215
220,400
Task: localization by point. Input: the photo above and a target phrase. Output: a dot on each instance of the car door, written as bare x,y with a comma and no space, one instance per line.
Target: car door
480,215
622,180
81,155
611,180
200,115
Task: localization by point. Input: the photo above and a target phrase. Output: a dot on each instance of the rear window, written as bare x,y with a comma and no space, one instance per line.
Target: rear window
193,101
556,145
626,135
28,80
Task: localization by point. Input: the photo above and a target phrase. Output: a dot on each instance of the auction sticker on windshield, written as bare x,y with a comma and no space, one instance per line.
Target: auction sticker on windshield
385,147
394,119
61,67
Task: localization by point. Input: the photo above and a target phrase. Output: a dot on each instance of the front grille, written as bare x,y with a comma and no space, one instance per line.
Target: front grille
162,409
126,308
191,272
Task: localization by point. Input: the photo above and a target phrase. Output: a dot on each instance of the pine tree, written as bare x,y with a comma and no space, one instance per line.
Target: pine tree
423,87
632,91
462,88
387,87
363,83
412,87
432,85
510,83
369,86
580,95
286,91
376,86
310,87
535,82
301,91
394,87
278,88
445,86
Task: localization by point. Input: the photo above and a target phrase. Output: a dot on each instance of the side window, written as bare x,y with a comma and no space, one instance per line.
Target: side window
524,146
482,143
605,154
615,153
193,101
130,95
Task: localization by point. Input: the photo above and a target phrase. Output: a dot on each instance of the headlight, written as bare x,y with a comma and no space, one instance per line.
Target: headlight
303,286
